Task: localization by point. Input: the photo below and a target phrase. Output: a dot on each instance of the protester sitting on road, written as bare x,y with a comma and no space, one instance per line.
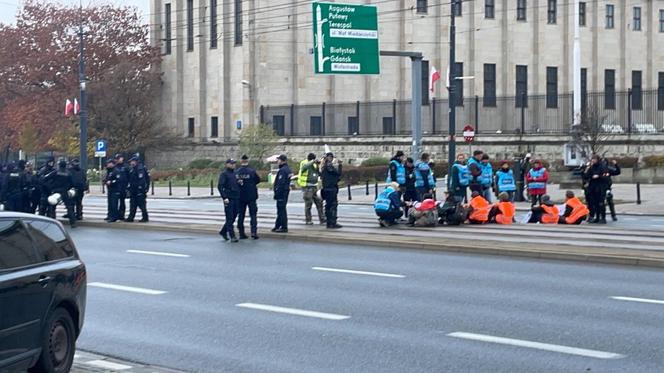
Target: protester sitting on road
425,213
388,206
478,209
546,213
486,177
503,211
575,210
537,178
450,211
410,192
504,180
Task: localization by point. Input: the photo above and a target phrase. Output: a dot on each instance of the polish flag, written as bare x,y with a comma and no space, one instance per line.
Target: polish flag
77,107
434,76
69,108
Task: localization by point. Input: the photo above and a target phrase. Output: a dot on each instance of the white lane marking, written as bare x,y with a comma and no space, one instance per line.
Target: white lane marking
357,272
126,288
158,253
537,345
103,364
293,311
640,300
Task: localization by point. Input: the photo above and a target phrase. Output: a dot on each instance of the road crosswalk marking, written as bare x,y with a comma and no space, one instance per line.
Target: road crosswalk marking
639,300
293,311
129,289
350,271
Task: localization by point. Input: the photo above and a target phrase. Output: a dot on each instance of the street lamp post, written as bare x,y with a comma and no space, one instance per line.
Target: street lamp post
84,110
451,156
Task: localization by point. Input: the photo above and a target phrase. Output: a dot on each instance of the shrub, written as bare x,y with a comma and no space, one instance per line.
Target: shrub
199,164
376,161
653,161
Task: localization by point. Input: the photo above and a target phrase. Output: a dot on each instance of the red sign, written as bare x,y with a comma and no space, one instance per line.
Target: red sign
468,133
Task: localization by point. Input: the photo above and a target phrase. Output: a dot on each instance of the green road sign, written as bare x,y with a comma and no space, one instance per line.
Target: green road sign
345,39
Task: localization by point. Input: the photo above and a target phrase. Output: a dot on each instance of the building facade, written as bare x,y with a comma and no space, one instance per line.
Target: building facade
233,63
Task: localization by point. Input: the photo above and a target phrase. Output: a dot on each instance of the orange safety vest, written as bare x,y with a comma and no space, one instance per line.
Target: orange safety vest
579,210
481,208
507,212
550,214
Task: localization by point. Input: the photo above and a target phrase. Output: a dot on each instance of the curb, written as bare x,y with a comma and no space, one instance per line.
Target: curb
552,252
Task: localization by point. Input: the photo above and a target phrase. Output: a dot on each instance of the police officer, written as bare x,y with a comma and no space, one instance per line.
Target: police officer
45,172
229,188
31,190
596,175
61,182
248,180
281,190
330,175
112,182
614,170
139,184
13,183
80,186
123,183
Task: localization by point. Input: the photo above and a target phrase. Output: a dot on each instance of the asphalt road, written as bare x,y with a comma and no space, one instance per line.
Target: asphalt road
260,306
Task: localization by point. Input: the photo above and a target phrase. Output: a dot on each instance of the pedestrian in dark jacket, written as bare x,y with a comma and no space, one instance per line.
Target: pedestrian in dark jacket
230,193
410,191
248,180
281,190
330,174
139,185
80,180
597,176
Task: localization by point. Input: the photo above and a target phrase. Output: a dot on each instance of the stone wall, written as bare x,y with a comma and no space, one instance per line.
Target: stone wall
355,149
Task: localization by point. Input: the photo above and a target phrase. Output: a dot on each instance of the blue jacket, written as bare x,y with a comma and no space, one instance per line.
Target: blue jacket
505,181
388,200
281,185
396,172
424,176
487,174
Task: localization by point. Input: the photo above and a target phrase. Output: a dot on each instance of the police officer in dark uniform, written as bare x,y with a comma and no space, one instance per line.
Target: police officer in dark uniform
31,190
596,175
281,190
230,192
123,183
614,170
330,174
248,180
80,186
47,170
61,182
13,183
139,185
112,182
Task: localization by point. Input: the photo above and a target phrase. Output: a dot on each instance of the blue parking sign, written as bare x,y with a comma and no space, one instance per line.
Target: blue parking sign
101,146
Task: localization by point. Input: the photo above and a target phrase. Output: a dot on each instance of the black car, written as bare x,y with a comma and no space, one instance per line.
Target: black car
42,295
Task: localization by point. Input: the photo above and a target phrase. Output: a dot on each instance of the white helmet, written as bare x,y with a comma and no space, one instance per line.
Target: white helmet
54,199
71,193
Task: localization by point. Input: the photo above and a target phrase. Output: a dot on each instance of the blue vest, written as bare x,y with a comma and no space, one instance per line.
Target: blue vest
383,202
464,174
505,181
535,174
419,181
401,174
487,174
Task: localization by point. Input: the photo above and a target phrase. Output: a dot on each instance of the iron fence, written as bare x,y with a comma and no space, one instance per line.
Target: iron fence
620,112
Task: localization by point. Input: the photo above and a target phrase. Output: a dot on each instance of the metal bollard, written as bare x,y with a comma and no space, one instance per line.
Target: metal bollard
188,188
638,193
350,197
170,188
212,187
376,190
367,187
103,188
152,191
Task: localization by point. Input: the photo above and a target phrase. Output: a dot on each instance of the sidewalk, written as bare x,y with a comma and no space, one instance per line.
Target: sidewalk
87,362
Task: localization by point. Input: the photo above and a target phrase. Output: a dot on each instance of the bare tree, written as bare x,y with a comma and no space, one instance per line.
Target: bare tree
257,141
593,133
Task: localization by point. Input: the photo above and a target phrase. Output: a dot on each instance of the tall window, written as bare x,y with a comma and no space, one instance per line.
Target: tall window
422,6
279,124
238,22
609,16
609,89
521,85
457,8
551,13
489,9
458,83
661,20
582,14
214,127
353,126
316,126
425,82
636,26
388,126
213,24
637,95
168,36
551,87
584,89
489,84
190,25
520,10
190,127
660,92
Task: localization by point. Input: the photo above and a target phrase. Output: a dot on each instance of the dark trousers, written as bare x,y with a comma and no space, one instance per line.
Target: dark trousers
409,196
138,201
113,201
282,214
15,203
78,203
536,216
596,198
331,203
231,210
122,207
609,202
535,199
69,205
390,216
253,217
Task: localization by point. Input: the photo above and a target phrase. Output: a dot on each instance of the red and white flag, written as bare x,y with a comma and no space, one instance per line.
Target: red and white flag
434,76
77,107
69,108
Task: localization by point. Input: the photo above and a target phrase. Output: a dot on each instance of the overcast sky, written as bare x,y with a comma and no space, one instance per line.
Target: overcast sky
8,8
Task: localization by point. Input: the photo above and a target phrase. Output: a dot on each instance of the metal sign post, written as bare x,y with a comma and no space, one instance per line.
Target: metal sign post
469,137
100,152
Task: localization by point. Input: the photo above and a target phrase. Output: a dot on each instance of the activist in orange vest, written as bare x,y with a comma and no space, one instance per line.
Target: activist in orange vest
502,212
546,213
575,210
478,209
